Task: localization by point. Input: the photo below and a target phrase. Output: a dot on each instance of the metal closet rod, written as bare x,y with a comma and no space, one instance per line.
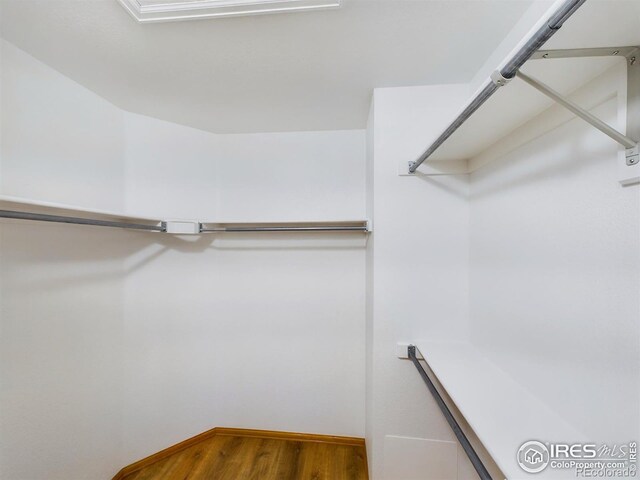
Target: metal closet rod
42,217
474,458
162,226
323,228
506,73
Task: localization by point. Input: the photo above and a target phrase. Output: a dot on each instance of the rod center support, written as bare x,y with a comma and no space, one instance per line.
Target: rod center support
498,79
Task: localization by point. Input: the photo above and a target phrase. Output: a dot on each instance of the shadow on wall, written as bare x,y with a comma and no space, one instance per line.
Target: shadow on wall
461,193
254,241
61,350
562,163
37,243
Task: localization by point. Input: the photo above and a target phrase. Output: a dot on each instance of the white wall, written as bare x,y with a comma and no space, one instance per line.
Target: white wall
61,286
63,143
255,331
116,344
419,266
187,173
170,169
555,276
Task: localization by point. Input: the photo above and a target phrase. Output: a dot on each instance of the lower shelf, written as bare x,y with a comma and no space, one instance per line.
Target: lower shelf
502,413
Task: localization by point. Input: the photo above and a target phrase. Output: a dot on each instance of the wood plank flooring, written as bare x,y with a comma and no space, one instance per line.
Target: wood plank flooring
237,457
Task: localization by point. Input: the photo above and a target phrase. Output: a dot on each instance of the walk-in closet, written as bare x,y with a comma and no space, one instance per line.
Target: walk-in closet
319,239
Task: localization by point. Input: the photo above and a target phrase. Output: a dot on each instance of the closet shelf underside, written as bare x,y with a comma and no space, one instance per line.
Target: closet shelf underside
497,118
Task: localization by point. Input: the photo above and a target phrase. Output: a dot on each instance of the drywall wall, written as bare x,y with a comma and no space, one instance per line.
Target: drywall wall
555,275
257,331
61,312
171,336
61,352
55,129
418,282
187,173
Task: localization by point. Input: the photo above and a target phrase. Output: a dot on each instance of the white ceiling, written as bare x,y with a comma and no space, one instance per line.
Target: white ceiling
279,72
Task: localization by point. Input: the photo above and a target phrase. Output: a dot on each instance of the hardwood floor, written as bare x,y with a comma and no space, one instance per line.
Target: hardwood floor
238,456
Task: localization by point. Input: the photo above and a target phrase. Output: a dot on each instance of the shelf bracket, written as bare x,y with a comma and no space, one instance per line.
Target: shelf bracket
633,118
630,145
630,53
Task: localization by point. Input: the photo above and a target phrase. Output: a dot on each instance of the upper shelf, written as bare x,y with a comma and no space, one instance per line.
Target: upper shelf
500,410
593,25
517,103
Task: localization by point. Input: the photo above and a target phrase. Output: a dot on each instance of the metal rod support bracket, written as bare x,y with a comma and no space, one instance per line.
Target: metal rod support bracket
498,79
629,52
557,97
633,155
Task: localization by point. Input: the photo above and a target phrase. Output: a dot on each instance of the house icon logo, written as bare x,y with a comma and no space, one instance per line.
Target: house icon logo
533,456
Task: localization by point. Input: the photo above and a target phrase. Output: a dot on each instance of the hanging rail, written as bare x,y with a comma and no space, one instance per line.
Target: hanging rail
323,228
192,228
42,217
482,471
502,76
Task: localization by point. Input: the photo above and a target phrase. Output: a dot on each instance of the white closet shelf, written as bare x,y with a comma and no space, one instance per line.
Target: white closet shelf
498,118
500,410
565,62
36,210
